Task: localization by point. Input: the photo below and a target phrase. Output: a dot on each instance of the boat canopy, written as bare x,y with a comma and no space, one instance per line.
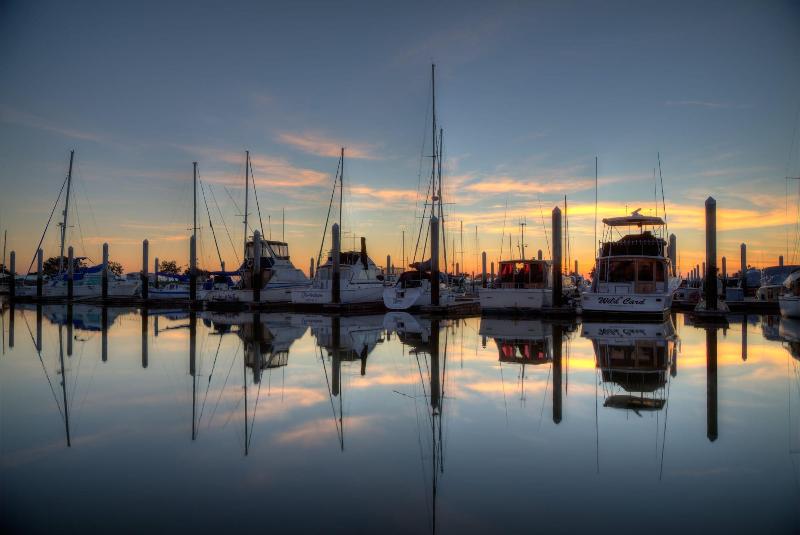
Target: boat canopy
635,219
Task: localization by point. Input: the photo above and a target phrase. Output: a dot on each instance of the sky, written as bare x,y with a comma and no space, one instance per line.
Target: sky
527,93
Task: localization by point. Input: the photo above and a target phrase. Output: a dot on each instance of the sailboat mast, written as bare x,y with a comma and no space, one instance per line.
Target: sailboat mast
66,213
194,204
341,191
246,195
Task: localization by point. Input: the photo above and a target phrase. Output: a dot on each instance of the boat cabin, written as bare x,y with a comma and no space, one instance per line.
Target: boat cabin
523,274
633,263
352,264
270,251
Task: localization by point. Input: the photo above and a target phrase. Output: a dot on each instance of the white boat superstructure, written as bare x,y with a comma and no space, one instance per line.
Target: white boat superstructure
522,286
789,300
360,281
632,274
279,277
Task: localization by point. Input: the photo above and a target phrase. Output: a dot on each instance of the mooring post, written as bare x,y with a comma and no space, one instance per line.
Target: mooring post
311,269
744,337
435,261
557,282
155,272
145,264
257,252
491,274
724,275
12,283
193,269
712,431
145,316
388,267
335,258
576,266
39,272
743,252
711,254
483,269
673,253
557,402
539,254
70,271
104,279
780,261
458,268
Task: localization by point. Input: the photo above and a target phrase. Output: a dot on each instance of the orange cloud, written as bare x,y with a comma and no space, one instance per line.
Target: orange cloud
319,145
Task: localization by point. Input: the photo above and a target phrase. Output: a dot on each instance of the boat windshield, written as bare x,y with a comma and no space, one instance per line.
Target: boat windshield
631,270
279,249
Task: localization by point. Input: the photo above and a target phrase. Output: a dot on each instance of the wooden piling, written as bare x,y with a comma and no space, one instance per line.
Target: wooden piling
712,430
483,269
557,373
336,297
539,254
145,264
12,283
556,232
104,279
311,269
710,274
673,253
724,275
257,252
434,261
491,274
39,273
70,272
155,272
743,273
780,261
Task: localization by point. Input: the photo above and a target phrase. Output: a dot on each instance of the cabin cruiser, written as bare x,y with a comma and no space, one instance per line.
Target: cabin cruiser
86,283
789,300
360,281
636,358
413,289
632,274
522,286
772,282
279,277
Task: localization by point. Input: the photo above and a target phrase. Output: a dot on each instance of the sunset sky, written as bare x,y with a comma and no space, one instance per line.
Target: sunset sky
528,93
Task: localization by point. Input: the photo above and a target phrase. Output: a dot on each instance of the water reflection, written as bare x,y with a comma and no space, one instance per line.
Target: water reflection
410,413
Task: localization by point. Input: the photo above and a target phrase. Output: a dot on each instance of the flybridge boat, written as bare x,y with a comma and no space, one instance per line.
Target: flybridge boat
772,282
279,276
632,274
360,281
522,285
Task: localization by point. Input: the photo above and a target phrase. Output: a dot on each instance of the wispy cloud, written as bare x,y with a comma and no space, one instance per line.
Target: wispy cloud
321,145
711,104
12,116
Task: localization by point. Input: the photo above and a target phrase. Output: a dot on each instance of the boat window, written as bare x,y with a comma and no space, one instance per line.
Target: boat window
622,271
645,271
660,272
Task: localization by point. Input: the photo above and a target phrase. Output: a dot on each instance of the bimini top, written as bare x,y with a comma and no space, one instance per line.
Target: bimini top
635,219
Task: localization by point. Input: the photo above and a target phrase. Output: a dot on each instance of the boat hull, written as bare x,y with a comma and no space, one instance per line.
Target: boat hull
349,294
269,294
790,306
515,299
625,304
82,291
395,298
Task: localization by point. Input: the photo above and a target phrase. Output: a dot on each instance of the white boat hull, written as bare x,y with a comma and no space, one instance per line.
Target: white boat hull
349,294
515,299
269,294
790,306
395,298
610,303
82,291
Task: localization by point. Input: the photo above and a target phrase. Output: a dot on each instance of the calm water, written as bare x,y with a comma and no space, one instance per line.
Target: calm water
290,422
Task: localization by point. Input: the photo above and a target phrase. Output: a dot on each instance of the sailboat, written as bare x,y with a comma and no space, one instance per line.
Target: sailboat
360,280
414,288
86,281
278,275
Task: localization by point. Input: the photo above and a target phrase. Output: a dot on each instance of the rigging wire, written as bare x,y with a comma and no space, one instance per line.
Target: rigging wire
328,217
210,223
49,219
255,194
225,225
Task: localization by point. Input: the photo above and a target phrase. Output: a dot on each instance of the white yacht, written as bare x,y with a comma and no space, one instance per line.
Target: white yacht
772,282
789,300
86,283
360,281
413,290
632,273
279,277
522,286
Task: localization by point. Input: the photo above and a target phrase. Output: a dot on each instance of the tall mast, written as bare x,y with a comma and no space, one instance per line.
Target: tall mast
246,195
66,212
194,203
341,191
